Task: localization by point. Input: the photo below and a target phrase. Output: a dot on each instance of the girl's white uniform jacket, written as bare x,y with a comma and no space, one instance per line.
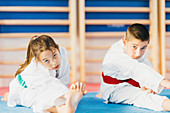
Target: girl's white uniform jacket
117,64
42,87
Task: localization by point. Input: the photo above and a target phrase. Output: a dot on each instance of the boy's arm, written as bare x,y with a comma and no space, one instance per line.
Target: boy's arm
164,82
146,61
131,68
147,76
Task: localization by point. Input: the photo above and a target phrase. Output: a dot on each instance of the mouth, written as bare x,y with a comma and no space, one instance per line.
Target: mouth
56,67
136,57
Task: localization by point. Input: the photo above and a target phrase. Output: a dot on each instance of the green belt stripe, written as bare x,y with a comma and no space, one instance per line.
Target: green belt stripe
21,81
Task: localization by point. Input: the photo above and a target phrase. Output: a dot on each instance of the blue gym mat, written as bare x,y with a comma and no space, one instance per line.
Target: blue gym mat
90,104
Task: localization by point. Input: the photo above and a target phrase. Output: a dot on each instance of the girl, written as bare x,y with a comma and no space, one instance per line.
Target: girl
41,82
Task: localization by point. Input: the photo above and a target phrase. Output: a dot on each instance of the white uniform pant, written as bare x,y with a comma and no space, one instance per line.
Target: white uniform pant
129,94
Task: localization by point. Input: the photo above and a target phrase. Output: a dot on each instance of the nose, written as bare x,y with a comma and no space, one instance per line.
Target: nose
138,53
53,63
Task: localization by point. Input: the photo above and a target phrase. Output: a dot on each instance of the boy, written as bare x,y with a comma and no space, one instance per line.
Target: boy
127,76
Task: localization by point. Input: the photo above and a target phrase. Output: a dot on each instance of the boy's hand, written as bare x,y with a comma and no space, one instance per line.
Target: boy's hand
150,90
165,83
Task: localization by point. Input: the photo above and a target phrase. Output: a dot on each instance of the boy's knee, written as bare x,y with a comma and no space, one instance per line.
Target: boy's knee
166,105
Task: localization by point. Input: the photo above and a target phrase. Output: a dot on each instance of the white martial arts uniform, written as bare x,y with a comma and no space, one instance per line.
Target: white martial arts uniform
117,64
43,89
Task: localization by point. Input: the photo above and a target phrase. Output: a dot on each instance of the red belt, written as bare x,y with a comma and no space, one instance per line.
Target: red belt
110,80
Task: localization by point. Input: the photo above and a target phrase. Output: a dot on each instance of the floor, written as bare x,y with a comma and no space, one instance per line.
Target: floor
89,86
3,90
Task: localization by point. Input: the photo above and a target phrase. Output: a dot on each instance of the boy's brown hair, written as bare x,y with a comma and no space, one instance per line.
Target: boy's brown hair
138,31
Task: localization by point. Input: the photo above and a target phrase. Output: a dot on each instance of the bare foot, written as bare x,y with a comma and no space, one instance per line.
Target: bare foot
73,99
99,95
77,90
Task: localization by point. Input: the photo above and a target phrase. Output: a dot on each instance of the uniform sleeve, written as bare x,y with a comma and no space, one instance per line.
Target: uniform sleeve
65,69
146,61
13,91
123,65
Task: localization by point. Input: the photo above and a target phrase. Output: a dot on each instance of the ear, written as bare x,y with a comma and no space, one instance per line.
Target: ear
124,41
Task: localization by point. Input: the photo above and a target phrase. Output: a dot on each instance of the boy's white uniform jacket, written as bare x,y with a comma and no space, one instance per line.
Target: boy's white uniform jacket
42,86
117,64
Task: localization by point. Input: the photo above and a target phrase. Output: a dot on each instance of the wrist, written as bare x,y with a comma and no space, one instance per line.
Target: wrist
163,83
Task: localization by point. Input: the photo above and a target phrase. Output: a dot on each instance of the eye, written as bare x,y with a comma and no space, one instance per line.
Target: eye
134,47
55,55
46,61
143,48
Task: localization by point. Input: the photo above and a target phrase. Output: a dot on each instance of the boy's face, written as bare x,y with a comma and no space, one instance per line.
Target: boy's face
135,48
51,59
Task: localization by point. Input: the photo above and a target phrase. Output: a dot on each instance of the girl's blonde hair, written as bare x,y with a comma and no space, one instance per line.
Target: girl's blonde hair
37,45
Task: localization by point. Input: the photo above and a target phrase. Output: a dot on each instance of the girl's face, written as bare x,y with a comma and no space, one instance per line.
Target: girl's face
51,59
